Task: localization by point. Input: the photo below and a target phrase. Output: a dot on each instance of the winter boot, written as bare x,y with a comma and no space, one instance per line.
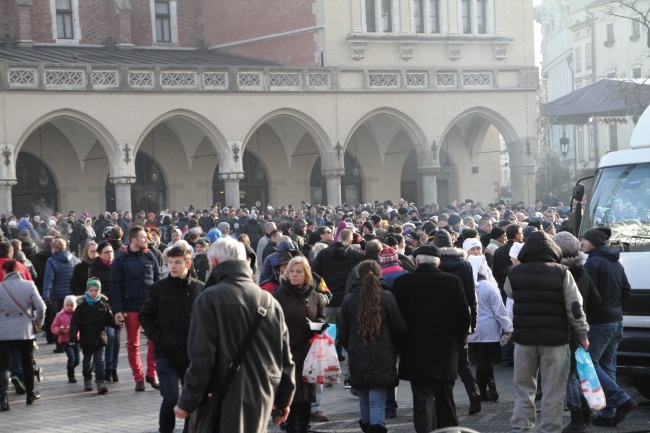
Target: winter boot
108,375
4,392
101,387
474,404
577,424
71,378
88,384
364,426
114,376
492,390
376,428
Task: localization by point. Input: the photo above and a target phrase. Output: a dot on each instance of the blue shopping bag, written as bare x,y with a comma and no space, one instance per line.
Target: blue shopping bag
589,380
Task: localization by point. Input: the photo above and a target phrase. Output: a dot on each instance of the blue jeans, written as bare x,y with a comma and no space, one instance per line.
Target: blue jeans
16,363
72,351
603,343
169,373
93,359
112,347
372,403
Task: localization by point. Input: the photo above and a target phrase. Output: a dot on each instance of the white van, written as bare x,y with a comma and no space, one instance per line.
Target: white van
620,199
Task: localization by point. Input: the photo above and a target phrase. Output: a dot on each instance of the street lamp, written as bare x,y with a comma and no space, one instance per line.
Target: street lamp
564,144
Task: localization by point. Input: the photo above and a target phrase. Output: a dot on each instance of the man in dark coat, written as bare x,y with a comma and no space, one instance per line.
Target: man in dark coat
454,261
435,308
221,317
165,318
253,229
606,322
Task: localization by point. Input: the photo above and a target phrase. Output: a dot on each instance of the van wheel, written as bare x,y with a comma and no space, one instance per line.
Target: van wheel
642,385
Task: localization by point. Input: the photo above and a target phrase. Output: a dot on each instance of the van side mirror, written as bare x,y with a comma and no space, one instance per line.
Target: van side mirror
578,192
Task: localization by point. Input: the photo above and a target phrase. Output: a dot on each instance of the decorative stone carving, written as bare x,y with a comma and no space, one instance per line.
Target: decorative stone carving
232,177
359,50
406,51
429,171
8,183
501,51
454,52
333,173
123,180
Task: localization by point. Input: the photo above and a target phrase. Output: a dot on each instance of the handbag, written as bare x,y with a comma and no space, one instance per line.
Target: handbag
206,417
37,326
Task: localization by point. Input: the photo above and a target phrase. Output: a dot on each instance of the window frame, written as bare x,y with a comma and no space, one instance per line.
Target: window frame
73,13
378,7
475,17
577,59
428,20
173,23
588,56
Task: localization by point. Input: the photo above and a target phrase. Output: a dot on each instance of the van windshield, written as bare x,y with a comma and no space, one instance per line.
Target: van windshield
620,200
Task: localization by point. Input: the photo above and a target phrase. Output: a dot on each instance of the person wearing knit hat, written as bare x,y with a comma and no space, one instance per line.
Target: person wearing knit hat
549,228
88,327
606,321
390,266
569,244
442,239
598,236
455,220
497,239
473,247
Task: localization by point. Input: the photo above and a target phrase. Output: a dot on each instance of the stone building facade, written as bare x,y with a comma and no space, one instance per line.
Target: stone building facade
150,104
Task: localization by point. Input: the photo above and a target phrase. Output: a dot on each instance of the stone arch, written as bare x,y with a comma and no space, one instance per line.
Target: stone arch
213,134
501,123
317,132
105,138
415,133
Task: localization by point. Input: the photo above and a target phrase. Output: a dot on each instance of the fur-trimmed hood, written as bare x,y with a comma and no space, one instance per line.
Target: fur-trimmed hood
572,262
453,252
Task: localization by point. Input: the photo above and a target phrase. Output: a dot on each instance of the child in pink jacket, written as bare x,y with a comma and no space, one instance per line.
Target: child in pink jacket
61,327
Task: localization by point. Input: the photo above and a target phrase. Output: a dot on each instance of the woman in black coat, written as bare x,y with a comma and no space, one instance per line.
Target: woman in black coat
369,320
80,271
300,302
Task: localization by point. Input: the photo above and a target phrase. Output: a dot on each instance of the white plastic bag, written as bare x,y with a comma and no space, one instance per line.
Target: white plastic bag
322,362
589,380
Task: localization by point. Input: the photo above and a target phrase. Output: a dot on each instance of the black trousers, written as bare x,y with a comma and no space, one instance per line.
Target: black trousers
433,404
26,348
484,354
465,372
298,419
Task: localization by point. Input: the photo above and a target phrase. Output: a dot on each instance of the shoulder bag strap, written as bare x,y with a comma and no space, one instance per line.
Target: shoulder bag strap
15,301
235,365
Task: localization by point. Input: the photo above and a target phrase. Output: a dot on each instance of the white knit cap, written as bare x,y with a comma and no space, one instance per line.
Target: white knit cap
471,243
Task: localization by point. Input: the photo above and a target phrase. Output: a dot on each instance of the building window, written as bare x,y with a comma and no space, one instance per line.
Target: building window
163,21
610,35
474,16
578,59
423,9
588,55
64,29
636,30
379,16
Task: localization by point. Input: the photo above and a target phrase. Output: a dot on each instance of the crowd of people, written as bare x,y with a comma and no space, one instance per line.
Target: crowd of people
413,291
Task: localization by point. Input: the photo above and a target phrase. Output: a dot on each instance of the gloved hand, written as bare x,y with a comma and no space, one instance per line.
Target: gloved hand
324,327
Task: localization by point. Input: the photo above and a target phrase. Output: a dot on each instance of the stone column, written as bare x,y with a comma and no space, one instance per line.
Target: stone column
5,194
429,184
123,191
231,183
333,180
522,181
24,23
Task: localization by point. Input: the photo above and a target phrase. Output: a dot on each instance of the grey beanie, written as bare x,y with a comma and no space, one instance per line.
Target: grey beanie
569,244
442,239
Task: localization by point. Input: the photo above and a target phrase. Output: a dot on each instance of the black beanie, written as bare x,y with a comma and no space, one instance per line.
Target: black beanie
496,233
598,236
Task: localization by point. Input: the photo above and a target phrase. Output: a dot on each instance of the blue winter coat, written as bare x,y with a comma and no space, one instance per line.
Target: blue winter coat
58,274
609,276
131,275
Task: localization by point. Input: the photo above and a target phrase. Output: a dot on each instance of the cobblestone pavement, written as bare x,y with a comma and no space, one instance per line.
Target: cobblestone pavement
67,408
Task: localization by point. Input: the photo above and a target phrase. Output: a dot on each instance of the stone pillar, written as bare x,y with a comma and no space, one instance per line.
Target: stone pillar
522,181
24,23
333,180
429,184
122,24
231,183
5,194
123,191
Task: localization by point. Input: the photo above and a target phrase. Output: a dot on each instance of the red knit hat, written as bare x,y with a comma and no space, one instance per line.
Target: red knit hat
388,255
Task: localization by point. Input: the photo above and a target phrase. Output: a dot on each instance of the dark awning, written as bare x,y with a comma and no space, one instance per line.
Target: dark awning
604,98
